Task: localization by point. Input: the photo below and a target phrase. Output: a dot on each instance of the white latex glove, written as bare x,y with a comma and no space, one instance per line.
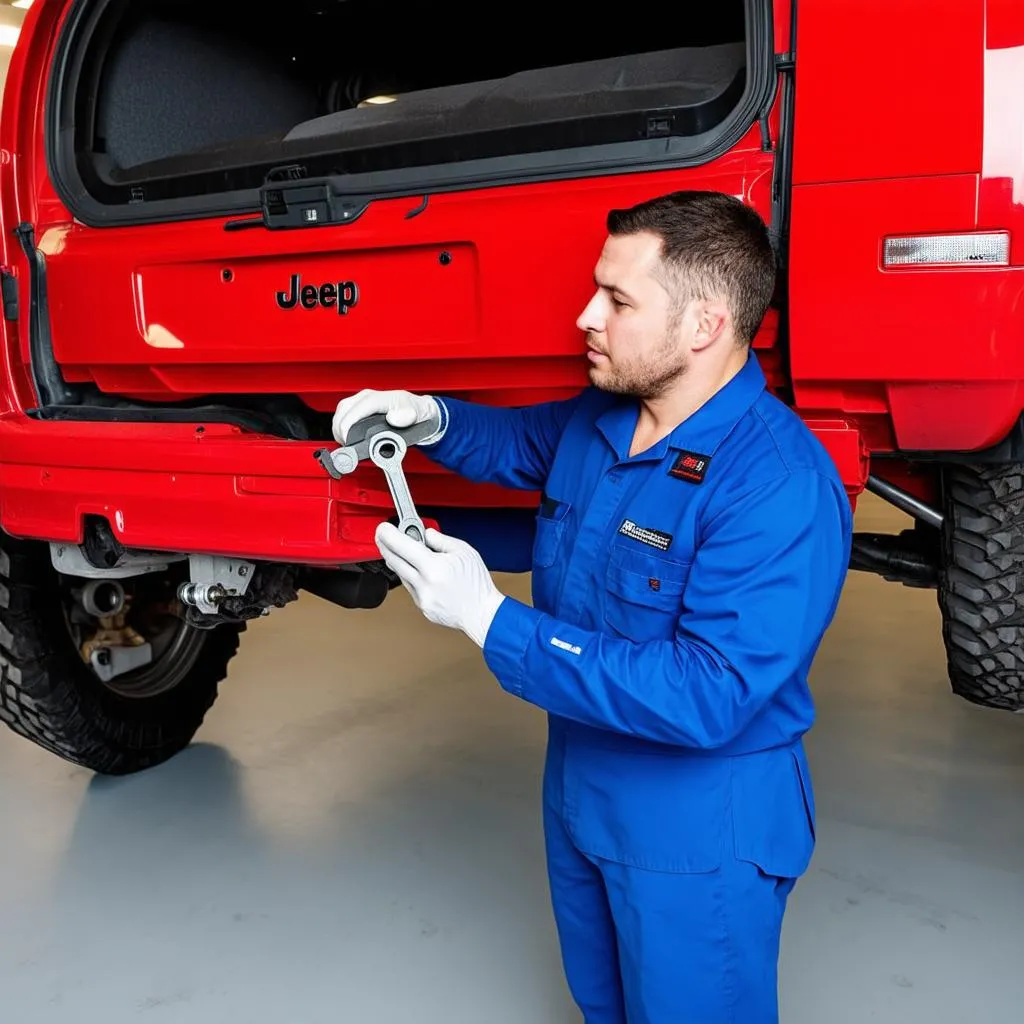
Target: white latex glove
446,577
402,409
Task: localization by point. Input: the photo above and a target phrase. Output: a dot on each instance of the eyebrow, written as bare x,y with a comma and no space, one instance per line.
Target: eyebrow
613,288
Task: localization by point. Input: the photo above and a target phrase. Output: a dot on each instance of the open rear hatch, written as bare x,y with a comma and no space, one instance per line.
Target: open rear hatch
271,213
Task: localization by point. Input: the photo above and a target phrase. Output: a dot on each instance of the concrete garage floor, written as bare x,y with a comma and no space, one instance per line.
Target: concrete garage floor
354,838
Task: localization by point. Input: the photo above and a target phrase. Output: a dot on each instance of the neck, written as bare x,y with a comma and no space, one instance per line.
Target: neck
660,416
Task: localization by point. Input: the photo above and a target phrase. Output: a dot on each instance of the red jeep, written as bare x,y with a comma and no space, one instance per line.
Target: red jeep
217,222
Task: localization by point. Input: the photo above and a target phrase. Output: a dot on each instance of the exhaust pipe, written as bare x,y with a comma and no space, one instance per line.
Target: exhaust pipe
347,588
101,598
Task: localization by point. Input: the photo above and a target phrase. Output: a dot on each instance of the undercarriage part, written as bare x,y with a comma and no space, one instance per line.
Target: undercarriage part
204,596
71,560
214,580
228,590
910,557
905,502
99,545
102,556
102,597
98,618
218,589
110,662
233,574
348,588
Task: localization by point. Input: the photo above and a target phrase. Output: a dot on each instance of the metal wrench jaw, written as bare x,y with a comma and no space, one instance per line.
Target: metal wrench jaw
338,463
343,460
387,450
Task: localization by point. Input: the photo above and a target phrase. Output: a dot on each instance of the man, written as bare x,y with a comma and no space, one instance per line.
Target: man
691,545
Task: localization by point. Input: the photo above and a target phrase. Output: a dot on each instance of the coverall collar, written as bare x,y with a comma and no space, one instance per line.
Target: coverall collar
703,431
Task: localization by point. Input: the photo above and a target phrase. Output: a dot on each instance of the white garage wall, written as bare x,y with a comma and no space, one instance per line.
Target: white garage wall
10,21
5,60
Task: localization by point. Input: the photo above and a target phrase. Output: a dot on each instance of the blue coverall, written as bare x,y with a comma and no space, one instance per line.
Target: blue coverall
679,597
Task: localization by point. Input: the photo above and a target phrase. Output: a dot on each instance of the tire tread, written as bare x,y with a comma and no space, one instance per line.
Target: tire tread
981,590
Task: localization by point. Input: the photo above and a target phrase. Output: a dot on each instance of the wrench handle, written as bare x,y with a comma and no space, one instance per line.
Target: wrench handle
387,452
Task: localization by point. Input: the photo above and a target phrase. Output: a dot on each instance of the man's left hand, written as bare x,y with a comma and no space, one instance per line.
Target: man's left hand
446,577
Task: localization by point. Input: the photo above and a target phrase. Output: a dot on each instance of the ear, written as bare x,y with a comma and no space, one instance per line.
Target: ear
713,320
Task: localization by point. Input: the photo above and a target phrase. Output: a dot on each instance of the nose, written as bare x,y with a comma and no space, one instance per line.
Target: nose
593,318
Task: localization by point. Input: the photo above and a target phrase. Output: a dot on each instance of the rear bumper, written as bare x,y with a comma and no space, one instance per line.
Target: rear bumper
216,490
848,449
204,489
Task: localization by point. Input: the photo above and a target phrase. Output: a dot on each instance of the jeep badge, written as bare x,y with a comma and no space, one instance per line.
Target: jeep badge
343,294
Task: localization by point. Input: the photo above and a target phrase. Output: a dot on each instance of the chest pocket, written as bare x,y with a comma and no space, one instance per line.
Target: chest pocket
643,593
550,541
552,520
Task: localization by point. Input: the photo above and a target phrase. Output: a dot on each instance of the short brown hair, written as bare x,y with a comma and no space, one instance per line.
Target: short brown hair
715,245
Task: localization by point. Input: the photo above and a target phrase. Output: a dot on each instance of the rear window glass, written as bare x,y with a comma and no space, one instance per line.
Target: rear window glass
177,99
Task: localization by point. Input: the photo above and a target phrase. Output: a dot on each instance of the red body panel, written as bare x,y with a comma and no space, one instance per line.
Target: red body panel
919,131
924,134
888,89
150,312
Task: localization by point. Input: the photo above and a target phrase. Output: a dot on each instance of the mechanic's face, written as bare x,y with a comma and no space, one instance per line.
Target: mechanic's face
635,345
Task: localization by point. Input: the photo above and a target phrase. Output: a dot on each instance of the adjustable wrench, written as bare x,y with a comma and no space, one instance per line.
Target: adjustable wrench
385,446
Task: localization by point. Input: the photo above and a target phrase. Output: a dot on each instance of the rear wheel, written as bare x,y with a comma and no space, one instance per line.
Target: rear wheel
57,687
981,584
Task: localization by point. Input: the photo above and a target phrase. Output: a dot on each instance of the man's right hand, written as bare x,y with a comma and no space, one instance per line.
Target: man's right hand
402,409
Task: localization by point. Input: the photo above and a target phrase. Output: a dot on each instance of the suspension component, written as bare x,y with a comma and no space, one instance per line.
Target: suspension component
206,597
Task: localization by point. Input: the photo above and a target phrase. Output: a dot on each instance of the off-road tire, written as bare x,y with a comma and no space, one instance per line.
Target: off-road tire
981,584
50,696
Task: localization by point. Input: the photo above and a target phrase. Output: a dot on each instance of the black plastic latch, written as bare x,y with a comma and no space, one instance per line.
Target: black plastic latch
9,285
659,126
307,204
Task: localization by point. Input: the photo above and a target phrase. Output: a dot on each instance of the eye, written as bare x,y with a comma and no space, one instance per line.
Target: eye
618,303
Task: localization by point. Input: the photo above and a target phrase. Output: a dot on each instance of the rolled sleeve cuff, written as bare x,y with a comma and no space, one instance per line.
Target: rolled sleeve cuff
442,428
508,641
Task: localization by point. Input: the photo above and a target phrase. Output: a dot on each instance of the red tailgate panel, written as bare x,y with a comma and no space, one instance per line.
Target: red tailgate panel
479,293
